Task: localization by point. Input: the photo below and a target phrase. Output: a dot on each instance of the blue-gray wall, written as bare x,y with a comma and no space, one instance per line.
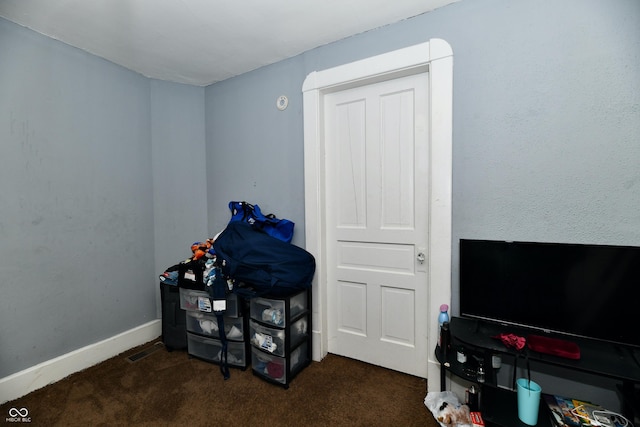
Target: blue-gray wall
255,151
179,172
545,135
90,154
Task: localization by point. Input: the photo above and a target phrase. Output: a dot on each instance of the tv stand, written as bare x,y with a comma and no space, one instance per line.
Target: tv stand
499,405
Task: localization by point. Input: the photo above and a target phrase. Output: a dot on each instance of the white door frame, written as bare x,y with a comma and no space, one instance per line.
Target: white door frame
436,57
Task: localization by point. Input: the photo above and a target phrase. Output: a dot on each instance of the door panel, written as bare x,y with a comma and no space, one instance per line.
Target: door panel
397,160
388,257
398,315
352,303
351,166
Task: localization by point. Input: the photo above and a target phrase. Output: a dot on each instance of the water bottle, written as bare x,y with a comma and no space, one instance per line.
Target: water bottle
443,316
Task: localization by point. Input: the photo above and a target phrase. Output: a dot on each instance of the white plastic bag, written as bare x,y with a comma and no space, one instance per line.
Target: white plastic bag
435,402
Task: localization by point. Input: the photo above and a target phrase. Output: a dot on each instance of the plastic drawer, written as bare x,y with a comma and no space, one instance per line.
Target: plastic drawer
207,324
279,369
272,340
192,300
268,366
268,339
210,349
298,331
299,358
298,304
273,311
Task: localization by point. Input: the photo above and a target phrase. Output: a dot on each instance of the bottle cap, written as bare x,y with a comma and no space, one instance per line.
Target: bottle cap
444,307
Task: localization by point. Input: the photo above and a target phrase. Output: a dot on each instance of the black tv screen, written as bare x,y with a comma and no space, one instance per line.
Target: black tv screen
572,289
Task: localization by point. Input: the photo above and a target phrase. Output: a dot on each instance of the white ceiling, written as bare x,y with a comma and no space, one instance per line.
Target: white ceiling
201,42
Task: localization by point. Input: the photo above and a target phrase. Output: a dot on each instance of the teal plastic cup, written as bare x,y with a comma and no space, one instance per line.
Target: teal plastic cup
528,401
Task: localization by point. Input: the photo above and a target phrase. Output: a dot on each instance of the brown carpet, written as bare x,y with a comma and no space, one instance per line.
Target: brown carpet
169,388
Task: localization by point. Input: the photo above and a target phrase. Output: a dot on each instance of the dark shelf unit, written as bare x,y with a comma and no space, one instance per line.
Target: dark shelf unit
499,405
629,395
280,336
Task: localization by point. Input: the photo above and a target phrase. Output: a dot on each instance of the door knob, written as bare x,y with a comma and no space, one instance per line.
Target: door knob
421,257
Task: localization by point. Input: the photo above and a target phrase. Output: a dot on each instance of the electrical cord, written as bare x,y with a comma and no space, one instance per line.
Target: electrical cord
604,418
611,416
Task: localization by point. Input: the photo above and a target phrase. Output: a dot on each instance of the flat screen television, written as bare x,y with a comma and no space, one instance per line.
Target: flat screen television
568,289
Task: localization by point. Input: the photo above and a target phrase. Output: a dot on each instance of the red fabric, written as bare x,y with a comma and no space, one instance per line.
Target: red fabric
554,346
276,370
512,340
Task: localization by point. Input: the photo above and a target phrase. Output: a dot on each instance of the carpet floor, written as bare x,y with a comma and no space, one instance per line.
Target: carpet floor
169,389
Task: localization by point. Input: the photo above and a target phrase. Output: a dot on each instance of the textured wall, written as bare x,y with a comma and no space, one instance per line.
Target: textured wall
179,170
255,151
547,123
76,206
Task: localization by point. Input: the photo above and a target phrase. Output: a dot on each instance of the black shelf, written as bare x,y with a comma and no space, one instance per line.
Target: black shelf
499,405
596,357
629,395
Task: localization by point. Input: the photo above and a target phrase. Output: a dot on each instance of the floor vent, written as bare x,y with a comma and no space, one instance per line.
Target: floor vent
144,353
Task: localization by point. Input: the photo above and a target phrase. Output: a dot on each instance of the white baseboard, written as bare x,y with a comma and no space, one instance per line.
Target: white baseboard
24,382
316,348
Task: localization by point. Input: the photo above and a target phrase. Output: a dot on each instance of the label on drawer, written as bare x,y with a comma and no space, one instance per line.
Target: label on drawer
264,342
204,304
220,304
267,344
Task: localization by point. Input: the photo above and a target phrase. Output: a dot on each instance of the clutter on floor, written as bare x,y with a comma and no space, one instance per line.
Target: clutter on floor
243,297
450,412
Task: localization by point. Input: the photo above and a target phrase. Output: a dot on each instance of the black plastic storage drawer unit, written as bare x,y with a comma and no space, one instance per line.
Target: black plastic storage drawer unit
280,334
